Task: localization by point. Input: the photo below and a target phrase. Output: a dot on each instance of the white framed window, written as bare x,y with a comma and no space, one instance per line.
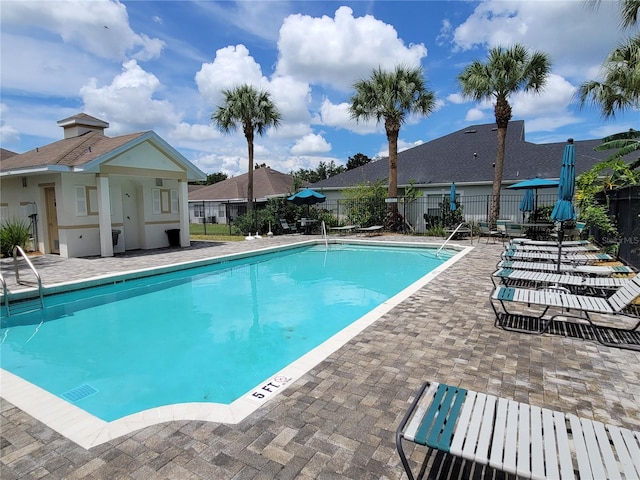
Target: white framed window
164,201
81,201
198,210
174,201
86,201
221,211
155,200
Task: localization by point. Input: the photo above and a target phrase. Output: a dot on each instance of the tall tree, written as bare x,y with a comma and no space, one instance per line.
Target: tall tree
392,96
251,109
619,86
358,160
506,71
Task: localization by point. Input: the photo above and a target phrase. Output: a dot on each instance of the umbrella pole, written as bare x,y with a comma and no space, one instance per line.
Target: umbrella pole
560,239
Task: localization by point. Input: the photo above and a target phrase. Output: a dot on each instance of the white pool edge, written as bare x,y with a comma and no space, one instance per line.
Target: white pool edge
89,431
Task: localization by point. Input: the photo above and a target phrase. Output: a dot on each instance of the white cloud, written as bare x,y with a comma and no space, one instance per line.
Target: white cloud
339,51
128,103
43,68
475,115
456,98
231,66
100,27
8,134
556,96
309,144
333,115
577,38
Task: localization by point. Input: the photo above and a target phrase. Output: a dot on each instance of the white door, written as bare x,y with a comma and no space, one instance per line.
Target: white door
130,216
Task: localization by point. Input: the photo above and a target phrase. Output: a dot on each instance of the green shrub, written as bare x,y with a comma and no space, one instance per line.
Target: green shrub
13,232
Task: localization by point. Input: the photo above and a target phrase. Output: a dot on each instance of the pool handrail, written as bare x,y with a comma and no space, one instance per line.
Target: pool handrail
18,249
5,293
450,237
324,234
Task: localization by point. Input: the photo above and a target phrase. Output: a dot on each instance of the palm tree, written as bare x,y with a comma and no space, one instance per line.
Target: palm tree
620,85
254,111
507,71
392,96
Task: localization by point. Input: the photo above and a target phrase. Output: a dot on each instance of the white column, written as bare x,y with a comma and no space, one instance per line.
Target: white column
104,216
183,208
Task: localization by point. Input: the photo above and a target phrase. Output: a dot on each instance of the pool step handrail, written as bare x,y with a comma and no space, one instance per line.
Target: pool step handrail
450,237
324,234
18,249
5,293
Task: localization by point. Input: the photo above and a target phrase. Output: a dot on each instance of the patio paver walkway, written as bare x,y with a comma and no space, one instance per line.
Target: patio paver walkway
338,421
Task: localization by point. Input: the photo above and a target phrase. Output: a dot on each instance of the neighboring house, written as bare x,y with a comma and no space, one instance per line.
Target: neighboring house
90,194
224,201
467,158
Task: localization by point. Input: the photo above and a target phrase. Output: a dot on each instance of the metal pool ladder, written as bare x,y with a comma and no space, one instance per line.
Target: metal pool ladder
29,305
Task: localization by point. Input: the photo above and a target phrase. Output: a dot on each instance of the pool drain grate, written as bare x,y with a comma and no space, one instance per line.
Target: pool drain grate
78,393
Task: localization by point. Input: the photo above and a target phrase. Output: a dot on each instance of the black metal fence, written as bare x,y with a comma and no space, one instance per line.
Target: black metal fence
624,208
431,211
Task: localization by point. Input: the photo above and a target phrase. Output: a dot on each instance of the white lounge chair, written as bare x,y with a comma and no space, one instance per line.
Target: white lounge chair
570,257
516,438
575,283
602,270
622,302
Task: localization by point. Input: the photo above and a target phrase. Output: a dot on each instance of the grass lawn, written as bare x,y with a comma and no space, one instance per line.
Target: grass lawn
214,232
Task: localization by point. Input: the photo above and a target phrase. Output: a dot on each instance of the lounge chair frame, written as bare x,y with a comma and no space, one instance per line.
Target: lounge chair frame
516,438
620,303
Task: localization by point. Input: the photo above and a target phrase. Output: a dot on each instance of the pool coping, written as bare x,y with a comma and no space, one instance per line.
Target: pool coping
89,431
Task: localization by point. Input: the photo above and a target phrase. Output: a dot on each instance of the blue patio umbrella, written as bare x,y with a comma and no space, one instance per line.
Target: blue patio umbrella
307,197
563,210
533,184
527,204
452,197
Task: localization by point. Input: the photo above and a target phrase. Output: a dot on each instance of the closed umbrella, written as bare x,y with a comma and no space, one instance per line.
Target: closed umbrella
452,197
563,210
527,204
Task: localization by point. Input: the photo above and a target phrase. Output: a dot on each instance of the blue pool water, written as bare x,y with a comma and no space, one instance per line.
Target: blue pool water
206,334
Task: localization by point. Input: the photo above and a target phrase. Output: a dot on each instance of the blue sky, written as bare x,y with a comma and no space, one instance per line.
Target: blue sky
161,65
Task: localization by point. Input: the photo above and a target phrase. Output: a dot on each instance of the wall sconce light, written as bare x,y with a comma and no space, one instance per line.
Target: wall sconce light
24,182
475,156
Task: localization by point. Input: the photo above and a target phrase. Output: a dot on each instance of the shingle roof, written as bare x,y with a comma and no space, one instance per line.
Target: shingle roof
4,154
467,156
69,152
266,183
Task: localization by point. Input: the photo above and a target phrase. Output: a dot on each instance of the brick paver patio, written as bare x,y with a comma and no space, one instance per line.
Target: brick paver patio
338,421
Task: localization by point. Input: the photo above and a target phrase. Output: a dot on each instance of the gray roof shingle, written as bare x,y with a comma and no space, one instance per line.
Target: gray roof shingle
467,156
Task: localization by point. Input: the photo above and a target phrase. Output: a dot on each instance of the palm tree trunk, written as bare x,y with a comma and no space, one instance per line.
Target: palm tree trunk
392,138
494,212
249,135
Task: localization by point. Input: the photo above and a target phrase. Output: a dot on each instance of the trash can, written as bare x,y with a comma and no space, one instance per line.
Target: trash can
114,236
174,237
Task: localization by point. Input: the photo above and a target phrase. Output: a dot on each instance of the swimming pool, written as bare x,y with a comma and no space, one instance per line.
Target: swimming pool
221,334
